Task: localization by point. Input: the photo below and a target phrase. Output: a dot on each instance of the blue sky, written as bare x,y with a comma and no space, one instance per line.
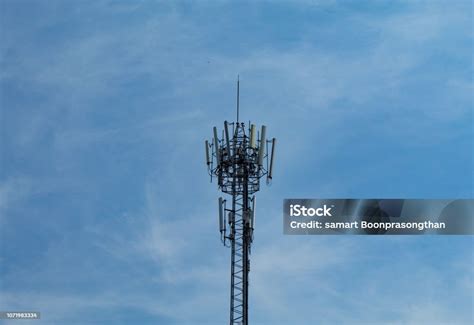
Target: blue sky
106,211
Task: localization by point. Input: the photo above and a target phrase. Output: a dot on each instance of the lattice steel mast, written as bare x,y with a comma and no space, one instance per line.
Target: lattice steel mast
239,162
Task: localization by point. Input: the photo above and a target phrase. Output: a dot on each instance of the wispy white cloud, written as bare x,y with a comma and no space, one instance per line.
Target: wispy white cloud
169,240
13,190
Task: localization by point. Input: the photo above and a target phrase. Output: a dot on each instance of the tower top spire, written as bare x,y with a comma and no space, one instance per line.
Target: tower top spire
238,95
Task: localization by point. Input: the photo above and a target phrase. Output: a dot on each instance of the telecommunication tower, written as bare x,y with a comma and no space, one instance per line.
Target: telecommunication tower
239,158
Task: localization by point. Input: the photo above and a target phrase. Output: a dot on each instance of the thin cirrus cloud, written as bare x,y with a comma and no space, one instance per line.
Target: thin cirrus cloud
104,109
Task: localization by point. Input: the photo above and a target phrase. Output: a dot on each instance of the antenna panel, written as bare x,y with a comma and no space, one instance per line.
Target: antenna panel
208,160
216,146
253,136
221,215
270,172
261,151
227,140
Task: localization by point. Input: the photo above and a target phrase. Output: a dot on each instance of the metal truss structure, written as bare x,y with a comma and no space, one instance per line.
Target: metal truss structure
239,158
